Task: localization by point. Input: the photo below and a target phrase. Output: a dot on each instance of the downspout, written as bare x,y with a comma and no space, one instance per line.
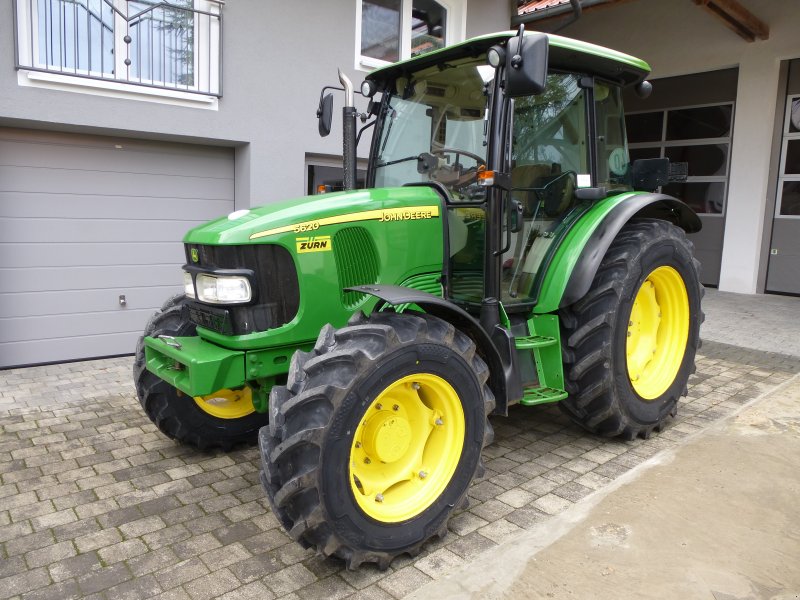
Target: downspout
349,134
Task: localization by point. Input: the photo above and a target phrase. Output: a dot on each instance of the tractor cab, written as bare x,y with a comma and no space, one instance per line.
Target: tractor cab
517,159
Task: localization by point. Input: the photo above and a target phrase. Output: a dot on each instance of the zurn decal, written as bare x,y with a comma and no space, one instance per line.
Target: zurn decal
317,243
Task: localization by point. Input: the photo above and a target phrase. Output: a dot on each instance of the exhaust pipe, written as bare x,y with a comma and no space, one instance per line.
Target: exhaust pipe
349,115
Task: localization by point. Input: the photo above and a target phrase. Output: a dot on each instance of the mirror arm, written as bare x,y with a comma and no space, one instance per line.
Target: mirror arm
360,131
322,94
516,60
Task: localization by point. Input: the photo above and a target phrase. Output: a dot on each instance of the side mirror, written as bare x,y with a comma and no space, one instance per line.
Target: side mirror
325,114
526,65
649,173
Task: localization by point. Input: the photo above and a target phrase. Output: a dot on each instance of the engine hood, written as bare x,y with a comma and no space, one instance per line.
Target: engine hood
309,213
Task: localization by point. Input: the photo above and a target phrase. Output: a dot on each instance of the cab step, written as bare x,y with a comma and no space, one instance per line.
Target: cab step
541,395
532,342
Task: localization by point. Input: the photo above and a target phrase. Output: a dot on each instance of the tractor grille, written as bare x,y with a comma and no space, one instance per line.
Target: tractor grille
277,293
356,262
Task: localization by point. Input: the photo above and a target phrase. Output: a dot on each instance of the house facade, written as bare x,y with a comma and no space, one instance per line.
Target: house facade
124,123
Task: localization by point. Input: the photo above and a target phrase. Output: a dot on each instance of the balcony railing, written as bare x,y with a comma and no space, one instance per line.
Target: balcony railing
173,45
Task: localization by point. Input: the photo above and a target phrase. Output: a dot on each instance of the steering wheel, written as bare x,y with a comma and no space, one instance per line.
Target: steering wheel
455,176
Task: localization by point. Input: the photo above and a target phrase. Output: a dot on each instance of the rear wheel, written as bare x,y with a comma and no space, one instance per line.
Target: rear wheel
377,436
219,420
630,343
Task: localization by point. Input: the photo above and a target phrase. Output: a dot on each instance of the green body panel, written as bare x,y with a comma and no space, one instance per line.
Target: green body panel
405,229
568,252
404,248
193,366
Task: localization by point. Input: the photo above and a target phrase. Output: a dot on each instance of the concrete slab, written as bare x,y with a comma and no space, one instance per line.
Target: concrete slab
764,322
717,517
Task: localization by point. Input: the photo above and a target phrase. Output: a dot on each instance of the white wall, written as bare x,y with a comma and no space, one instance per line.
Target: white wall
678,37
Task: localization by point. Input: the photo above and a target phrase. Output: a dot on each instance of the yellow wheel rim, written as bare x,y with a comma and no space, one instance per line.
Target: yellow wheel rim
406,448
658,329
227,404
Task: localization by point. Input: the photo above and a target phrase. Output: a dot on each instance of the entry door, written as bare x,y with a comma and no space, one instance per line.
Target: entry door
784,261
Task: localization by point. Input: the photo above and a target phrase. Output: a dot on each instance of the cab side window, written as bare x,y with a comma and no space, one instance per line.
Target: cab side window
549,153
613,162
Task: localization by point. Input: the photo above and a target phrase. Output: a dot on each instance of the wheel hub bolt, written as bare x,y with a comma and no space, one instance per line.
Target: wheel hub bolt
415,386
379,498
423,474
629,334
379,406
358,444
396,407
439,422
367,460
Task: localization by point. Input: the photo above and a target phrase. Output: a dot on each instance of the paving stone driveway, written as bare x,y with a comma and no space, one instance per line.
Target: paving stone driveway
96,503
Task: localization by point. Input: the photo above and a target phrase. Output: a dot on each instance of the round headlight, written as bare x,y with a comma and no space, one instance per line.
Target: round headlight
368,88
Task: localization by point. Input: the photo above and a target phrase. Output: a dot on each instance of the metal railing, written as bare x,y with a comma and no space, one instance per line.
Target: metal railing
168,45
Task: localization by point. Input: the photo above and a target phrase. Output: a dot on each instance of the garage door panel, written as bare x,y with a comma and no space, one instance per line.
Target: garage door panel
44,254
88,278
18,329
34,304
93,230
83,222
56,181
37,204
708,248
33,352
110,158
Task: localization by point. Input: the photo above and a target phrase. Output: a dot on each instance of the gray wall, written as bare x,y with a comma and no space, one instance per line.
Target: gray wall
275,61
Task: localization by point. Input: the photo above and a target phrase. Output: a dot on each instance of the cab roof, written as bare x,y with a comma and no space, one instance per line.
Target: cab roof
565,54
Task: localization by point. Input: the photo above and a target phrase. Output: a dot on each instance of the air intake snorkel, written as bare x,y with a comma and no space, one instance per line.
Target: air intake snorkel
349,115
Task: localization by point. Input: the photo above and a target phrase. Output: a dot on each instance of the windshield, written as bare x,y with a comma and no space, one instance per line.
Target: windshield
434,128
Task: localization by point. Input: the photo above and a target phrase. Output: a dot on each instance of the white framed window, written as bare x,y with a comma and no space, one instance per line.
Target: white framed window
788,200
392,30
169,45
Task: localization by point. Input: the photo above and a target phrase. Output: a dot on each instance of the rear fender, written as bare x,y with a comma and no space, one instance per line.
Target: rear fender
609,217
654,206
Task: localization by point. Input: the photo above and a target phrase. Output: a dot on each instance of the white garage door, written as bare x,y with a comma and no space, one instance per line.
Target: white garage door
85,220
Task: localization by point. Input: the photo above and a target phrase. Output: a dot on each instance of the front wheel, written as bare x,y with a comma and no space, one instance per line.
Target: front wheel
377,436
220,420
630,342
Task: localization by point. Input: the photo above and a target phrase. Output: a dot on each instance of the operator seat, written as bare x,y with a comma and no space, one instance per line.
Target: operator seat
529,176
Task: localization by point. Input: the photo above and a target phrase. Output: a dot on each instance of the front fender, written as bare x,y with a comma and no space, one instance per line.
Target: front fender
504,378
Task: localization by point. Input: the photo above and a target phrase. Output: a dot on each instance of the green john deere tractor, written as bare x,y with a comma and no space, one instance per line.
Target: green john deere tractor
504,251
